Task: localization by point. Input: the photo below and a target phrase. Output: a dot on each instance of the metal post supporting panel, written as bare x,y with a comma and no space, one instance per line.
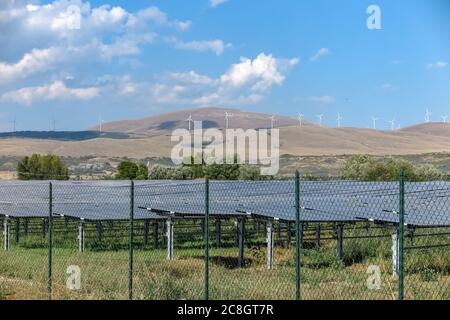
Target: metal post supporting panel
81,236
6,233
270,244
169,236
240,230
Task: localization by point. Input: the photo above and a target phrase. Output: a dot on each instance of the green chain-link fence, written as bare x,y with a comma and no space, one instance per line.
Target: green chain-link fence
289,239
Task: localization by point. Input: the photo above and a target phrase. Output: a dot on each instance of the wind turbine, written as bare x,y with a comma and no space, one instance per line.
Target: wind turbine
444,117
100,122
189,120
300,119
392,122
339,118
374,121
272,121
427,116
227,119
320,116
14,122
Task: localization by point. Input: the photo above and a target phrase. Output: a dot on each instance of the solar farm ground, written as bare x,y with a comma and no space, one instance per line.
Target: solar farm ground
104,272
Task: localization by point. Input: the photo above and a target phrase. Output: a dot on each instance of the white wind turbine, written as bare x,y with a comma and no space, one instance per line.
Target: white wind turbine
227,119
189,120
272,121
374,122
339,118
300,119
100,123
444,118
14,123
427,115
320,116
392,122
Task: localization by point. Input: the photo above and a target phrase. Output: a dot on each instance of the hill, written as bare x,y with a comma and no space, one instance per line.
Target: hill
150,137
211,118
432,128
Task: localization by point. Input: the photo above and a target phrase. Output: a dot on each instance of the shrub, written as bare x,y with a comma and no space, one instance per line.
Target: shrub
37,167
366,168
132,171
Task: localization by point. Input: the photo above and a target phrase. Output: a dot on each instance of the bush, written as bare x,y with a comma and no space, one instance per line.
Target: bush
168,173
37,167
128,170
366,168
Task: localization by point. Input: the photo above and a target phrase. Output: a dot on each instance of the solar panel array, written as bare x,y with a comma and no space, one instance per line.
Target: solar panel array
426,203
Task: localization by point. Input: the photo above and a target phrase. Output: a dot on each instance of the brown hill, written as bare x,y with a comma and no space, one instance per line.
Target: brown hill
431,128
211,118
295,140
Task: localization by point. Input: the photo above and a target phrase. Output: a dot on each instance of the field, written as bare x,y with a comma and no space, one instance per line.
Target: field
104,266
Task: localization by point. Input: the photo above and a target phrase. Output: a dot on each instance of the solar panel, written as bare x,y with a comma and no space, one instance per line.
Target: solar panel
426,203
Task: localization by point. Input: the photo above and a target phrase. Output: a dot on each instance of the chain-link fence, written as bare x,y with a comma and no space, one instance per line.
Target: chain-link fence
289,239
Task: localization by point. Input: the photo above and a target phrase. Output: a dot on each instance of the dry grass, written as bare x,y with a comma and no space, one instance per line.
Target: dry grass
105,276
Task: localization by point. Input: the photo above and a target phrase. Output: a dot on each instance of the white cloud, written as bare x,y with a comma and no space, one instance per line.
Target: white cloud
319,54
247,82
215,3
32,62
262,72
437,65
55,91
29,26
216,46
322,99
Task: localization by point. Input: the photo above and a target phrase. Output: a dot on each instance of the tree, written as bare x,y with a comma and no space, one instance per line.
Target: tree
142,173
37,167
127,170
365,168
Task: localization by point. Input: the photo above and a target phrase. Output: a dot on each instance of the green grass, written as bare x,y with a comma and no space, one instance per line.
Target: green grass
105,276
104,270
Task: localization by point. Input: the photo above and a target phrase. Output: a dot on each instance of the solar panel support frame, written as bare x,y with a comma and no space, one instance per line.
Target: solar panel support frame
6,233
318,235
395,249
340,241
218,233
81,236
169,236
240,233
270,244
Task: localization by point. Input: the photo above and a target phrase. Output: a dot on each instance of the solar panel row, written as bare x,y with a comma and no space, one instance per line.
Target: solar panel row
426,203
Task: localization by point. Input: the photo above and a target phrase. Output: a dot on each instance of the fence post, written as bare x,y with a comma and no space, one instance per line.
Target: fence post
206,230
297,237
130,259
401,236
50,241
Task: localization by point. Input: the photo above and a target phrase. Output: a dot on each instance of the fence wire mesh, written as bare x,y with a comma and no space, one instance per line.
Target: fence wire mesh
327,239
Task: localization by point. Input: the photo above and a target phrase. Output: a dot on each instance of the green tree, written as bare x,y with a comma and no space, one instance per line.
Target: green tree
127,170
47,167
142,173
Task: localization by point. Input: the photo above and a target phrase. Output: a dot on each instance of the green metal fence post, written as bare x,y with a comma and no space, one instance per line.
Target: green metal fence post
131,239
206,229
297,237
50,242
401,236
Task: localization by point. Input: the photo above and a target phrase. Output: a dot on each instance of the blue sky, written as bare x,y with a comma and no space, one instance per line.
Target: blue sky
131,59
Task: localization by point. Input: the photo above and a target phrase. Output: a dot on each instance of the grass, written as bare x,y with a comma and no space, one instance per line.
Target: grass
104,271
105,276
